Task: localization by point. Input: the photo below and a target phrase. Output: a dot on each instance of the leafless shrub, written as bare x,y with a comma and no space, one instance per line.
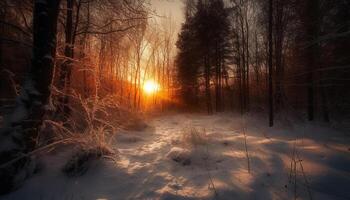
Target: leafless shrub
89,129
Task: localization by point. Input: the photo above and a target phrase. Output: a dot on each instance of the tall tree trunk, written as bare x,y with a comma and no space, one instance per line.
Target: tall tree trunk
84,41
278,54
247,64
66,68
257,67
221,70
217,80
324,100
21,130
270,64
137,79
243,67
312,31
240,77
207,84
2,76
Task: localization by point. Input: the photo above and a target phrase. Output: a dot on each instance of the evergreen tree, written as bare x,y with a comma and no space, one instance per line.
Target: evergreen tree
203,49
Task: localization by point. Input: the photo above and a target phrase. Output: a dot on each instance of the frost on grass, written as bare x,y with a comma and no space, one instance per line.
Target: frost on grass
193,137
193,148
91,147
80,162
89,131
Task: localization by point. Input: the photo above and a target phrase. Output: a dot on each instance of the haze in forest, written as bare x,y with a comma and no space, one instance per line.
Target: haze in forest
174,99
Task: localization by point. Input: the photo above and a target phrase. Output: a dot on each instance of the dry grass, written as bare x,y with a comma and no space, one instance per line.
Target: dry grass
89,123
193,137
88,130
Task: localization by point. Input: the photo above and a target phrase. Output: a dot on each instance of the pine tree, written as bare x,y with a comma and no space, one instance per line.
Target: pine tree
203,48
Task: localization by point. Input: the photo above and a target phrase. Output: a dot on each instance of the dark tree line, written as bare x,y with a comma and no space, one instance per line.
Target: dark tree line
204,47
275,56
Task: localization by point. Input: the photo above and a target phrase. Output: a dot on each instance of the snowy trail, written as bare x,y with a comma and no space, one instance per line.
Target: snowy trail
217,170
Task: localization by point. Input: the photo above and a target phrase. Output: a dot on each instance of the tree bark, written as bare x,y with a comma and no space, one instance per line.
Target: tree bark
270,64
207,84
66,68
312,31
279,35
21,129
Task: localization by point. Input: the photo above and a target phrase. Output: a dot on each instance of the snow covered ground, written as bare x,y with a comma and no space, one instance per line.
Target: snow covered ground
157,163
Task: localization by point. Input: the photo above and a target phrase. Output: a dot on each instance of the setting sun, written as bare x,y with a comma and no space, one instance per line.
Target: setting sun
150,87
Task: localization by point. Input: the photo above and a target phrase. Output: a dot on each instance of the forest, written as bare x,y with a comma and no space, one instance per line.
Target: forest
174,99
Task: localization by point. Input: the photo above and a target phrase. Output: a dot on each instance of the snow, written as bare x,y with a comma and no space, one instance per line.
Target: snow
180,155
156,163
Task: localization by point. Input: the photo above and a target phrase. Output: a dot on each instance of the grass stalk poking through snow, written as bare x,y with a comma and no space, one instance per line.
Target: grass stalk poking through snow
194,137
245,142
216,194
295,161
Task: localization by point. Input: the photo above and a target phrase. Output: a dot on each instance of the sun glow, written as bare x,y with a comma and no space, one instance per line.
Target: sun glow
151,87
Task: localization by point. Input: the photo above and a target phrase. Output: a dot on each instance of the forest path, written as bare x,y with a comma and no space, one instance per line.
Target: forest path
221,166
146,167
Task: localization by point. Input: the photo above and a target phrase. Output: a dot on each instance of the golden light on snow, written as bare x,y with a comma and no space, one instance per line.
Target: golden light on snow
151,87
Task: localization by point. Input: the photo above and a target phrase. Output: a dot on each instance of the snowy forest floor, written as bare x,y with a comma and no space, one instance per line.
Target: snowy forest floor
291,160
